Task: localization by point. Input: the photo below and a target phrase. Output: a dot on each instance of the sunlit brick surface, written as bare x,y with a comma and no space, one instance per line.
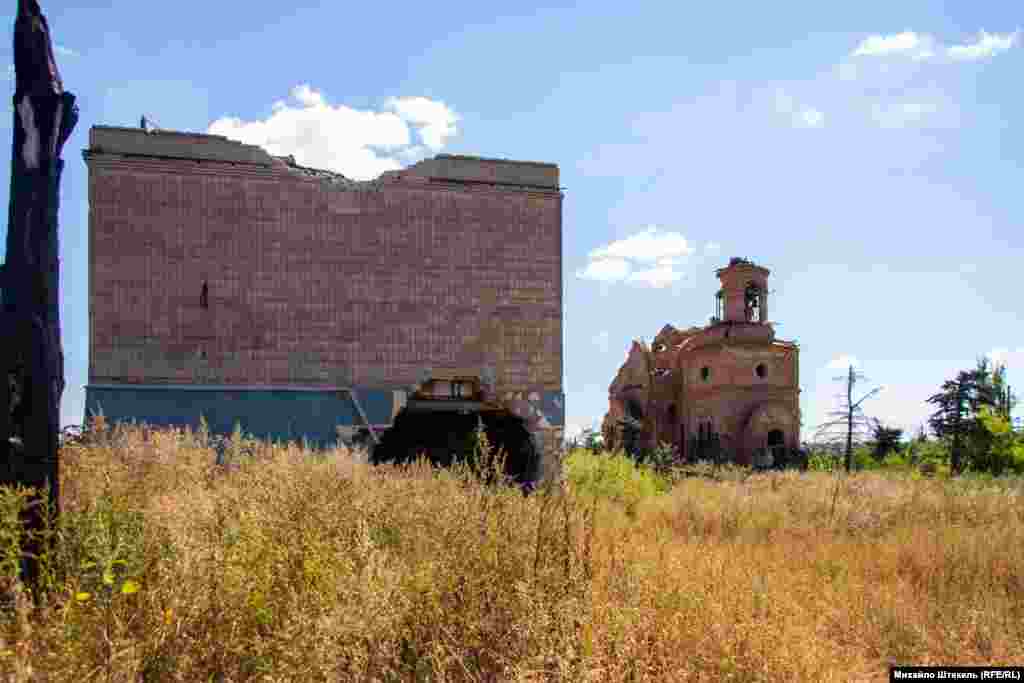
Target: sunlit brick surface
317,283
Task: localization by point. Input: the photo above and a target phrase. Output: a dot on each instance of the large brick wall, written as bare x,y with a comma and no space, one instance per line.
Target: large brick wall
313,282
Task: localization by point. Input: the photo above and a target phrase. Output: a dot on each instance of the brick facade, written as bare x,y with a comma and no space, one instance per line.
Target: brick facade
313,280
731,379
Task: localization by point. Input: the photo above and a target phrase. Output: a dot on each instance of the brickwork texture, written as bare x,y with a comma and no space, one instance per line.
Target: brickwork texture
312,280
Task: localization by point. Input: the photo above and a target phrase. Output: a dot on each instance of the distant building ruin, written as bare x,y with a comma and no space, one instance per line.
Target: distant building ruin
227,282
729,390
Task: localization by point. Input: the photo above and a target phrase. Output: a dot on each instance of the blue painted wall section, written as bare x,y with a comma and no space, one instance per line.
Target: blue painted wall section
553,407
264,413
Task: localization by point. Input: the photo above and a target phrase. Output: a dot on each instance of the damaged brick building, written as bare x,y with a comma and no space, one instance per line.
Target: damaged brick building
227,282
729,390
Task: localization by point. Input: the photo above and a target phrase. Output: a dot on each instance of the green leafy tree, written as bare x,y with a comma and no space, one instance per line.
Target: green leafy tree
1005,399
886,440
1005,452
957,407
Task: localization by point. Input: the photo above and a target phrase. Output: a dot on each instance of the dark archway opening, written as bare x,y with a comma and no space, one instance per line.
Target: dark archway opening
673,425
447,437
634,409
706,444
632,425
776,447
752,303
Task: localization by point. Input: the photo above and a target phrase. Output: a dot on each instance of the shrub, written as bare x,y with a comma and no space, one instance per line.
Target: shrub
662,458
864,459
896,461
821,460
612,476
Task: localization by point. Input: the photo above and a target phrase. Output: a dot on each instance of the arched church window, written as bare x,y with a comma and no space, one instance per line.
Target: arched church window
752,302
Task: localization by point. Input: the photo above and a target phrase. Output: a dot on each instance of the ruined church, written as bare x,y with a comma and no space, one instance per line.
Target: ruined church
728,391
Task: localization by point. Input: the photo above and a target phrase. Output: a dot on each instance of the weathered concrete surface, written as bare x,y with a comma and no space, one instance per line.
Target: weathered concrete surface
316,280
172,144
706,380
495,171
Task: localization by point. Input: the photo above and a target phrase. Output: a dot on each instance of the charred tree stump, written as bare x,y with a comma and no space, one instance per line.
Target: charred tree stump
31,356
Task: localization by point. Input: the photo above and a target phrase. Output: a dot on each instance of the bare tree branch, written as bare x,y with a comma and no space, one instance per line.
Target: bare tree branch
848,422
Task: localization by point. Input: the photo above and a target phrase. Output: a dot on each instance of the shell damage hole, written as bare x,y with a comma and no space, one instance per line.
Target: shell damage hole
448,437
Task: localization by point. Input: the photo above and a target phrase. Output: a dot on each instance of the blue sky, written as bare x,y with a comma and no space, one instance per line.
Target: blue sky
864,152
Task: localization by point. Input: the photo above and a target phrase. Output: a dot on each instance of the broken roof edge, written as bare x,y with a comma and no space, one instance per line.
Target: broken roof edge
121,140
472,157
174,144
471,169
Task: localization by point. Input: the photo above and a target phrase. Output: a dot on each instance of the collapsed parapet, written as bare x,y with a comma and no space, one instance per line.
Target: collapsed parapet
143,143
228,281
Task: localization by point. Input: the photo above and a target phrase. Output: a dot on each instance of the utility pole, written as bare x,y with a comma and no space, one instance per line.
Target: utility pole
31,355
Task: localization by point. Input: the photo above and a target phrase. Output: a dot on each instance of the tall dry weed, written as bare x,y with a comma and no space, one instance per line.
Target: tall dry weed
285,565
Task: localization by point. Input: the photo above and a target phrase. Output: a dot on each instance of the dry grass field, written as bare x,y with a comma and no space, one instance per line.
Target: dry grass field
292,567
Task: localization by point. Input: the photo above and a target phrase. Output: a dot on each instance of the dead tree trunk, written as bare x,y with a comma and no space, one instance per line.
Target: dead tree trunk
31,357
849,421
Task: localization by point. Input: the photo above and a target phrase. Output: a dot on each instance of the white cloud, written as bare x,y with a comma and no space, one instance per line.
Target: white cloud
649,245
712,248
908,44
843,362
605,270
659,277
434,120
795,113
650,258
987,45
1007,357
847,71
600,340
307,96
360,144
811,118
902,114
784,102
921,46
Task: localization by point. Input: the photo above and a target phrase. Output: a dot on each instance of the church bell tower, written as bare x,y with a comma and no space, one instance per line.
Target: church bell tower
743,297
